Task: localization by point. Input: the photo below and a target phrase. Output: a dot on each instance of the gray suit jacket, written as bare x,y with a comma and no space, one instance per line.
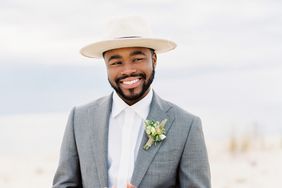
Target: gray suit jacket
178,161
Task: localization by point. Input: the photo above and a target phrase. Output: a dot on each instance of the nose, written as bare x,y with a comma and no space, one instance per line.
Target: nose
128,69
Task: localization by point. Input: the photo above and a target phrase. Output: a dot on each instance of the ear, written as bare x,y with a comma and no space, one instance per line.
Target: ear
154,59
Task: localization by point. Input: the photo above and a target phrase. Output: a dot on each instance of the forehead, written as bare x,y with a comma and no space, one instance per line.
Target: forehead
125,51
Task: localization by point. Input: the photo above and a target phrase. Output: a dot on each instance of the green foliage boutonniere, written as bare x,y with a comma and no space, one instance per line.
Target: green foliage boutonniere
155,131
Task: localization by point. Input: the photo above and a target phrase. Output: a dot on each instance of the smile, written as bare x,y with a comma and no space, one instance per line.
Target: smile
130,82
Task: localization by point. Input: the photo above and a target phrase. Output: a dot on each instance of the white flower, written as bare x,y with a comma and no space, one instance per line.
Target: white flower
155,131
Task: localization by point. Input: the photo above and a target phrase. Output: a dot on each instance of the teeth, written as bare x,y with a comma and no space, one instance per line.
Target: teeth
130,82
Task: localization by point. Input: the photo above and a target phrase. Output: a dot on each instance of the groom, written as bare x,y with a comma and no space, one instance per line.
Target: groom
104,141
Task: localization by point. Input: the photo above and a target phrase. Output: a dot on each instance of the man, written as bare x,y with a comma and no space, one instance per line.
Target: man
106,143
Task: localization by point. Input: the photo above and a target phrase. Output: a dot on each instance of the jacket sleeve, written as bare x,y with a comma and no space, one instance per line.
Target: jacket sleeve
194,170
68,172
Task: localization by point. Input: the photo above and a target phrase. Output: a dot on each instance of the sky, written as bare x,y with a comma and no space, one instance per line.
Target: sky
226,67
223,32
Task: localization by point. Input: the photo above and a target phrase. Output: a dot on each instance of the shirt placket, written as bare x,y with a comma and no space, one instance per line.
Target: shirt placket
127,157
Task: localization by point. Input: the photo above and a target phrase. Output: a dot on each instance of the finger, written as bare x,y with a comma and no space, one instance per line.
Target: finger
129,185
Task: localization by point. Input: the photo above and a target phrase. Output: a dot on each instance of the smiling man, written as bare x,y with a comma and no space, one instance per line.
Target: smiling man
131,72
132,138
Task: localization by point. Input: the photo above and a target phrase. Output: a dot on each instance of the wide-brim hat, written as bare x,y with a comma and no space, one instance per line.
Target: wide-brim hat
127,32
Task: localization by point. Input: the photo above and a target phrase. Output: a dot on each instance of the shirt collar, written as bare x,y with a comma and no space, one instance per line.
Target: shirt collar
142,107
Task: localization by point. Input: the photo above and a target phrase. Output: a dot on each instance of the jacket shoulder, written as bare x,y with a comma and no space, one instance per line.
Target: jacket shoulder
178,111
103,101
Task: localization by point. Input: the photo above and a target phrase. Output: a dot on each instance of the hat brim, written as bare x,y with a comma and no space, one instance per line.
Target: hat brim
96,50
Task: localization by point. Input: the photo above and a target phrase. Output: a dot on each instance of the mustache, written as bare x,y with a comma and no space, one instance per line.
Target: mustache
142,75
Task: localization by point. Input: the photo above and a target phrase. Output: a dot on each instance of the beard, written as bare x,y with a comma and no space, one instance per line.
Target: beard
133,97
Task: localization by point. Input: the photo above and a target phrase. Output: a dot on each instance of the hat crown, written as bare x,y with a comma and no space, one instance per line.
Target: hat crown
127,32
129,27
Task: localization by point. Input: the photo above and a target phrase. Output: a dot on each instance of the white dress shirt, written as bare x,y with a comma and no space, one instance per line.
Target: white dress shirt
126,128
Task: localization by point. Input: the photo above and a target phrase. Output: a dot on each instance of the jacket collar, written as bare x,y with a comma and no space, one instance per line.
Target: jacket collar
159,111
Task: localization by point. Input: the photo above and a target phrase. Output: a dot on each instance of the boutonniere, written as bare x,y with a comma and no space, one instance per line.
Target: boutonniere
155,131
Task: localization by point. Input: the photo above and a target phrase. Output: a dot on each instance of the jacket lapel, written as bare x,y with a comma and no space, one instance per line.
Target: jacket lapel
99,121
158,112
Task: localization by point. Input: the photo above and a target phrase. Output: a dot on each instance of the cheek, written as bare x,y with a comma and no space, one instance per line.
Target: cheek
111,75
150,66
149,69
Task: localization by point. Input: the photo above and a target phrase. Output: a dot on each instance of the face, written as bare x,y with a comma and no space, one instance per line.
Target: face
130,72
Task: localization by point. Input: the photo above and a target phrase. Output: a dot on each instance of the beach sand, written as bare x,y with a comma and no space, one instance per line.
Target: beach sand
256,166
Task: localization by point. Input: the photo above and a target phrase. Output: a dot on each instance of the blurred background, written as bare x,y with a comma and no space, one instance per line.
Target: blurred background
226,69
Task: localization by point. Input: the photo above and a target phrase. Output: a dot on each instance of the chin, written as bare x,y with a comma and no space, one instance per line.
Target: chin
133,97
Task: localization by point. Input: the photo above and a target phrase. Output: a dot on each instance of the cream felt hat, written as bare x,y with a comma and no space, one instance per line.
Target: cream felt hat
127,32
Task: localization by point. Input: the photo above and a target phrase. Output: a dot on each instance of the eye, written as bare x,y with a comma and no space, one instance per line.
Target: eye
114,63
137,59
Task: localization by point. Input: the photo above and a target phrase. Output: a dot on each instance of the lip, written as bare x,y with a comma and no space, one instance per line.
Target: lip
130,82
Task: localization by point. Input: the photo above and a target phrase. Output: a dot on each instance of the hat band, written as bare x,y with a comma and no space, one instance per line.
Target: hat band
128,37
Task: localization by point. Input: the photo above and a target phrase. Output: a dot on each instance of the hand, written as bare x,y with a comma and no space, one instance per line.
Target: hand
129,185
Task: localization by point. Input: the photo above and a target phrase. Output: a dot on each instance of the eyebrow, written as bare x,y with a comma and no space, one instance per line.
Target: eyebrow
137,52
114,57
